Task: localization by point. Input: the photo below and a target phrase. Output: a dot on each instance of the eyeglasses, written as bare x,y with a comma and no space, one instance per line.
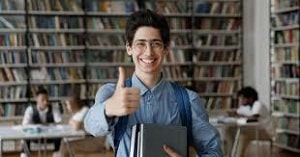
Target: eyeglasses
141,45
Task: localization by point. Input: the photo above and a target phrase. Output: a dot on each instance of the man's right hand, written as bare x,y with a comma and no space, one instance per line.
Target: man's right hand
125,100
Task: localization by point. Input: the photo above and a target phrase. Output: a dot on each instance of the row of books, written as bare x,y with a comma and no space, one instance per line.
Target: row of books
288,123
13,57
285,19
106,40
12,39
221,7
52,57
286,71
289,88
282,4
218,103
107,56
204,23
101,23
12,22
11,5
11,110
13,92
216,39
289,140
287,36
55,5
286,106
283,54
13,74
220,87
217,71
55,22
217,55
55,39
58,73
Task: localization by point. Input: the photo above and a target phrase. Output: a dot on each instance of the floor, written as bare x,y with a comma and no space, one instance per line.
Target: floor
264,151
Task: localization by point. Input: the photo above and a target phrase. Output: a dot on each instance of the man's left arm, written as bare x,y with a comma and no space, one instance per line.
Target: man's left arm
206,138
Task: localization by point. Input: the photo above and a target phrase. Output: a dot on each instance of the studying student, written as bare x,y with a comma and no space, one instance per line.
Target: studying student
78,110
151,98
42,113
251,108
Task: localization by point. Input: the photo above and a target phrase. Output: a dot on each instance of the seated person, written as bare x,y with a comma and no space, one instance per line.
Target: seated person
78,110
42,113
251,108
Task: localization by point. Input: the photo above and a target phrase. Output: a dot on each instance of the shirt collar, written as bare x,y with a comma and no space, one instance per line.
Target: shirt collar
156,90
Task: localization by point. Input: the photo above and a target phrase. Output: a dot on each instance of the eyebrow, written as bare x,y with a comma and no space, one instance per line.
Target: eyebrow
149,40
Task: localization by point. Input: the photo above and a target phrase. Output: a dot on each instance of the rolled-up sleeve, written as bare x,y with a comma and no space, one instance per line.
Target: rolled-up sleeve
206,137
95,122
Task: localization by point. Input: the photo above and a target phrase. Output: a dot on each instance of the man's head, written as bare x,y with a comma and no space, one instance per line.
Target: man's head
42,99
247,96
147,41
150,19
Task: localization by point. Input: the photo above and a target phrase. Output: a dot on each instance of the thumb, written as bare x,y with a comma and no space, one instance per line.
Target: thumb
122,77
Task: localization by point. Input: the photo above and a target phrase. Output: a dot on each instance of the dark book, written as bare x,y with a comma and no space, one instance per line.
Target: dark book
147,140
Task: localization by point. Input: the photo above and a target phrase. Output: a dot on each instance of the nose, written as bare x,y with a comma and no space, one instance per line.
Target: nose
148,49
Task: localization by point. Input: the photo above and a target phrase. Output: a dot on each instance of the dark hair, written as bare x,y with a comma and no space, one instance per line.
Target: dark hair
147,18
41,91
248,92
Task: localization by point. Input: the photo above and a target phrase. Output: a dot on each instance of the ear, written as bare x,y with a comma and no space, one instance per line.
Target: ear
167,50
128,49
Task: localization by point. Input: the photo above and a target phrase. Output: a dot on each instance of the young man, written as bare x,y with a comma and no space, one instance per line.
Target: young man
151,98
42,113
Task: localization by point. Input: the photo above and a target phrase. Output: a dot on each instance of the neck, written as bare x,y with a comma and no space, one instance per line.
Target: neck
149,80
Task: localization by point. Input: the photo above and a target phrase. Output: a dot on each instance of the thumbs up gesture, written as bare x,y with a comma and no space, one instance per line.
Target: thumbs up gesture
125,100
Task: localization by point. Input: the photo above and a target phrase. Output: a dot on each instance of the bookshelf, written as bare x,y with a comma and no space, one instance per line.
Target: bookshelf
217,59
66,45
285,65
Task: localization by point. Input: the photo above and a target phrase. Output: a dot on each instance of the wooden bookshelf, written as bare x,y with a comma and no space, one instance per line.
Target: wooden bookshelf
285,72
217,41
66,45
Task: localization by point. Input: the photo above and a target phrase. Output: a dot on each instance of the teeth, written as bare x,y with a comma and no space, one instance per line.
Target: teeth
148,61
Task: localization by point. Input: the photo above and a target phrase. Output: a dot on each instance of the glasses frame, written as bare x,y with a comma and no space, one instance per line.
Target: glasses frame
141,45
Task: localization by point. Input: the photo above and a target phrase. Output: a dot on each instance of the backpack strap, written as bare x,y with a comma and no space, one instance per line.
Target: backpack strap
121,125
183,101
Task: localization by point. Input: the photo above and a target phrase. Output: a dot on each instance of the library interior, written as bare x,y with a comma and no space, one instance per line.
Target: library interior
241,57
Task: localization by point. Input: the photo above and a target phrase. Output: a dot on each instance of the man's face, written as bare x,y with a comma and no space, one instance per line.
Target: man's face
42,101
147,51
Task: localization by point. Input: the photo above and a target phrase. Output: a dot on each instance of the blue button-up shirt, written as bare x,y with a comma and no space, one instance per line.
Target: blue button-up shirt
157,105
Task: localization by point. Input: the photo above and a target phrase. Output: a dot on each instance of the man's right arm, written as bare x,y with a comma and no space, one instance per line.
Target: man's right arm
96,122
28,114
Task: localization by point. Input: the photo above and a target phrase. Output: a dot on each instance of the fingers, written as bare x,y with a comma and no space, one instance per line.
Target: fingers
122,77
170,152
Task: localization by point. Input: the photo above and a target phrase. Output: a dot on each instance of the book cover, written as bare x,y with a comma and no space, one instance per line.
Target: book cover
148,140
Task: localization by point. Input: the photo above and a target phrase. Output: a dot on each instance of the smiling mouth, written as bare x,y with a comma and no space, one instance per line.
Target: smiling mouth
147,61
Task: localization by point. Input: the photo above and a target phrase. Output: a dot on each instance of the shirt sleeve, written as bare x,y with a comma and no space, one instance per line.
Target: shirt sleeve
206,137
28,114
256,108
95,122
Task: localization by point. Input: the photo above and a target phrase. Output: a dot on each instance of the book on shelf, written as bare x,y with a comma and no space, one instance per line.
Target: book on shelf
147,140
